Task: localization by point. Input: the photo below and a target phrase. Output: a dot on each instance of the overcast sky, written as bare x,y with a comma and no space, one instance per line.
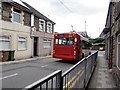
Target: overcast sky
74,12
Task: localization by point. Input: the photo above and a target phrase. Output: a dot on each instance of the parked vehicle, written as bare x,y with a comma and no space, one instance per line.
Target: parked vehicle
101,48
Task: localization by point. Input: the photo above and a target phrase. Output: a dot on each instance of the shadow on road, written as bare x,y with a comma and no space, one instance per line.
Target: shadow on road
67,61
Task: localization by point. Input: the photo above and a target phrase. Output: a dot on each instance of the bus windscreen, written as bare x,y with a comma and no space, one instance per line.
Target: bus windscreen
65,41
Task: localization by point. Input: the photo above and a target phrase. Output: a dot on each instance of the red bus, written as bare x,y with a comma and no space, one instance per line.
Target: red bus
70,46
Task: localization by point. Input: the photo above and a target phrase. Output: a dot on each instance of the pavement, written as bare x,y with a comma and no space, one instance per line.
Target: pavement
102,76
24,60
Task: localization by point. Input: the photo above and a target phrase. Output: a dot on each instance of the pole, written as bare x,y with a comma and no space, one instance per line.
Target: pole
72,27
85,25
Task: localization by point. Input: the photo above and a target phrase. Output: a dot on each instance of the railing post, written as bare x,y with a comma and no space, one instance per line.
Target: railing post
96,55
85,72
59,81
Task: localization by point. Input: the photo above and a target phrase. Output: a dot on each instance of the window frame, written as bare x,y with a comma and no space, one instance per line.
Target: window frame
49,27
41,20
47,41
118,44
20,14
5,40
19,49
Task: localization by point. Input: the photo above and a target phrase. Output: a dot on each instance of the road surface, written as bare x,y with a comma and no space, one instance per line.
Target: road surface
22,74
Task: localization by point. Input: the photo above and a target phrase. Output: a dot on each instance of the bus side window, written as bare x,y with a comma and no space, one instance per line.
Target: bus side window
83,44
79,42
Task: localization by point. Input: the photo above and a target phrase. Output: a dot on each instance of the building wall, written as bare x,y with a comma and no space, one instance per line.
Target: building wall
0,10
6,11
24,29
42,51
115,31
16,30
27,18
41,36
36,23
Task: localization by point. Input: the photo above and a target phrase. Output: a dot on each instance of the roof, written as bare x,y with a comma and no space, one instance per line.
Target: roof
84,34
20,2
26,7
38,14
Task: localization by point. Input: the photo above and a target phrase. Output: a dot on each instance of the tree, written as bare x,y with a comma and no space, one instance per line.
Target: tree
97,40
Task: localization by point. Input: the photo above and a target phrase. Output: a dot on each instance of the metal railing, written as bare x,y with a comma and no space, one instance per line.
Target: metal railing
79,75
51,81
76,77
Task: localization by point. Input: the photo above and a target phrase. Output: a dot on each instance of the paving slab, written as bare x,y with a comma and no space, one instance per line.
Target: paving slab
102,76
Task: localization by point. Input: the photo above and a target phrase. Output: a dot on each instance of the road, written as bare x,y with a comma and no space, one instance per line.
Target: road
19,75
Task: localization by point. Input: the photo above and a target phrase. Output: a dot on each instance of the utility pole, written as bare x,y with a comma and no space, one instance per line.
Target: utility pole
72,27
85,25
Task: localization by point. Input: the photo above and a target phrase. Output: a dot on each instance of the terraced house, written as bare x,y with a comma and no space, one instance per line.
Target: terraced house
25,30
111,33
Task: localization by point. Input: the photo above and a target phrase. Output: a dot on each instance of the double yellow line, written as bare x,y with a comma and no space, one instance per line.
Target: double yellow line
75,79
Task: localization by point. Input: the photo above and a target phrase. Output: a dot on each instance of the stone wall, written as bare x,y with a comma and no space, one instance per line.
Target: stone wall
6,11
36,23
27,18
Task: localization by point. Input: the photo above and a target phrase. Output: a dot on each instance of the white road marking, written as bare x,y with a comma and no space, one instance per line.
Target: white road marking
47,65
9,76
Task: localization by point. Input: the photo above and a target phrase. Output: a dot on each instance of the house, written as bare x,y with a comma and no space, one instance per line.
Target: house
111,33
15,29
27,32
43,30
84,34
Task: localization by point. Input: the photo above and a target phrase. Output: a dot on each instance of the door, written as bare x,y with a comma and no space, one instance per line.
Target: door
35,46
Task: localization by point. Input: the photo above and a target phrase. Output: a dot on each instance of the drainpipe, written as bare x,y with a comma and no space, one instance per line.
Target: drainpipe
110,50
32,35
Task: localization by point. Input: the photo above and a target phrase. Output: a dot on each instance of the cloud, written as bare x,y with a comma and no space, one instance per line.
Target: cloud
83,7
92,11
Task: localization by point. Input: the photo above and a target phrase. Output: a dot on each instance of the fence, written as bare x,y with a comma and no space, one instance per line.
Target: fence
76,77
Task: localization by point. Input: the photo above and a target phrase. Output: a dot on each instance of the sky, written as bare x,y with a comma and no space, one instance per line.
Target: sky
74,12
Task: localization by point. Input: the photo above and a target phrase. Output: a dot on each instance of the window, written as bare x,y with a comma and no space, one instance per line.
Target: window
4,42
17,16
118,53
79,42
21,43
65,41
46,43
49,27
42,25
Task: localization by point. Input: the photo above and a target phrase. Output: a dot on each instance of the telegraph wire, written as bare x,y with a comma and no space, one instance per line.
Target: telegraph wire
65,6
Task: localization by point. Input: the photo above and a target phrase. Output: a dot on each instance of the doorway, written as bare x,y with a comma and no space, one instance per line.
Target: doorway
35,46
